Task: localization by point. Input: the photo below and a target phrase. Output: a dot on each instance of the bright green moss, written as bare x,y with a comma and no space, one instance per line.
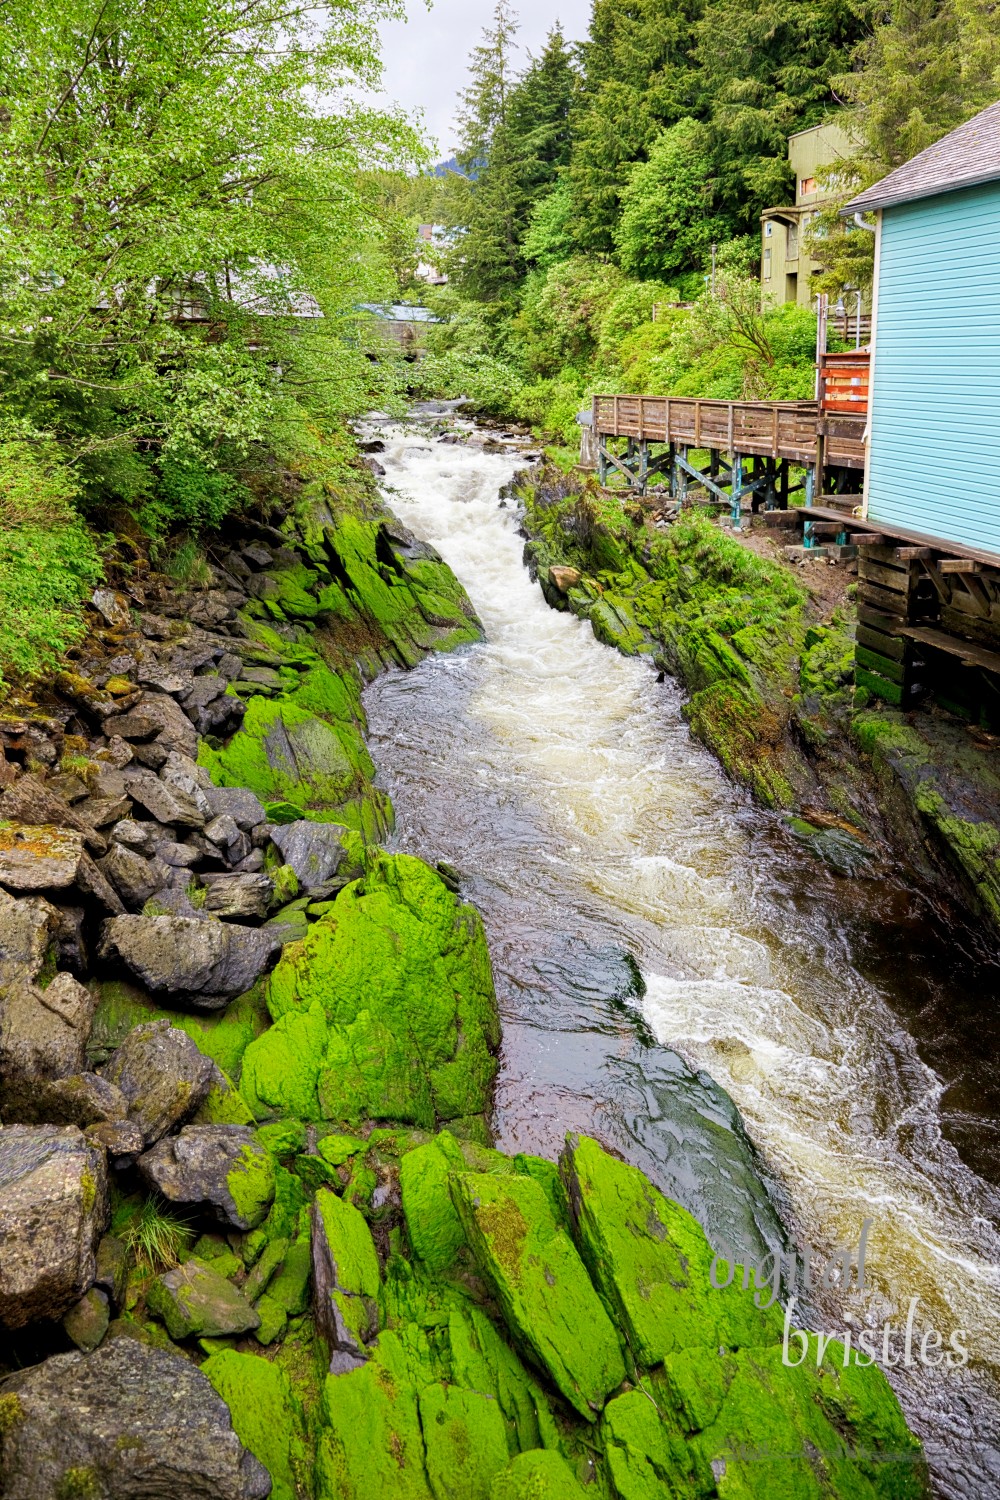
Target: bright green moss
370,1445
351,1245
539,1475
251,1184
432,1221
385,1010
267,1417
464,1439
282,1068
541,1285
650,1260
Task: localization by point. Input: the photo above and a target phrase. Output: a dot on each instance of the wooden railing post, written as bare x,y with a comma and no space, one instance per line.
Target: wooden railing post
616,416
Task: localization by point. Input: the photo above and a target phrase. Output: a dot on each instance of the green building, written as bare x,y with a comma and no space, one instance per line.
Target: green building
785,265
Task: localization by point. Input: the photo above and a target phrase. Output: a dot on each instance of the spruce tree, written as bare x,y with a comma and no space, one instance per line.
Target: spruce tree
489,265
639,76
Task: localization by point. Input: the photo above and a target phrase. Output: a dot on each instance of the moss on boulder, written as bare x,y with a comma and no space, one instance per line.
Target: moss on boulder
385,1010
650,1261
541,1285
267,1417
538,1475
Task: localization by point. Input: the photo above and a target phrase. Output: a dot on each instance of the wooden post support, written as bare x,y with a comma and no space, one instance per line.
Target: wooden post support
737,475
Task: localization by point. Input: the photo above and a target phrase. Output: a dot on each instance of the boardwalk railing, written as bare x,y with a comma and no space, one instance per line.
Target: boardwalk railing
772,429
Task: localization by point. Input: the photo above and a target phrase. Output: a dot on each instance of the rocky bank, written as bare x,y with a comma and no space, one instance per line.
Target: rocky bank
765,652
254,1238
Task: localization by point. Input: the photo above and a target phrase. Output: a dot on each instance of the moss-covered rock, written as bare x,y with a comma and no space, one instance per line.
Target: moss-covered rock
747,1424
288,754
541,1285
386,1010
370,1446
194,1300
539,1475
650,1260
267,1417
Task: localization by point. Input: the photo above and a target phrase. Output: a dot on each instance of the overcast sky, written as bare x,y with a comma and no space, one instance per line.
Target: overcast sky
426,56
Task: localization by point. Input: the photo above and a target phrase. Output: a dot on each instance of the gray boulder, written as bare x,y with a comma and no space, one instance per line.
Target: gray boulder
81,1099
133,877
164,803
238,803
176,732
313,850
43,1036
243,895
39,858
205,963
121,1139
217,1169
27,928
162,1075
134,1421
53,1209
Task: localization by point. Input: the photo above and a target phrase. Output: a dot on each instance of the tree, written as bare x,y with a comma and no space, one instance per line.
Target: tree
929,67
185,213
538,118
667,223
639,76
488,263
768,71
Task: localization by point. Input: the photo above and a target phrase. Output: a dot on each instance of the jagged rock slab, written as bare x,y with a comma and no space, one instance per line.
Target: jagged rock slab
236,802
650,1261
219,1169
126,1421
86,1323
163,1076
81,1099
26,932
43,1036
541,1285
244,895
53,1208
133,877
203,962
167,804
345,1277
194,1301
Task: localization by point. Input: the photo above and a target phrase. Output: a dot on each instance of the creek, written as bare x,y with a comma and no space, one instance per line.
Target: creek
560,780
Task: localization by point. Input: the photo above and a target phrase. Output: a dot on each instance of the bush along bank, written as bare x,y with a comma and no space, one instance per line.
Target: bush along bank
768,667
253,1236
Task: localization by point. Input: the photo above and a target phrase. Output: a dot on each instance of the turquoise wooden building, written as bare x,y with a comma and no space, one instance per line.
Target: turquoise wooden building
934,405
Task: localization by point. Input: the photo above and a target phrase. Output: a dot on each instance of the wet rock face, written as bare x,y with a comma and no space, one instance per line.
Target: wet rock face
53,1208
123,1422
162,1075
202,963
217,1169
345,1280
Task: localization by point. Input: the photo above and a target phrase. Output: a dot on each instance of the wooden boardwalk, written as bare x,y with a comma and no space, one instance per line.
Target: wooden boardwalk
750,445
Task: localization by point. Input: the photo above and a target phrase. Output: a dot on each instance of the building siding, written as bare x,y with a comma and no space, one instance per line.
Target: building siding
934,430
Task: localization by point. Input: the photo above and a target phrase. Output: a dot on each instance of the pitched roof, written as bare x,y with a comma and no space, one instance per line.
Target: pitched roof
965,157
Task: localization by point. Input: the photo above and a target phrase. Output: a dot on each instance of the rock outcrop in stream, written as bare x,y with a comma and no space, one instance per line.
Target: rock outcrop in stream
253,1237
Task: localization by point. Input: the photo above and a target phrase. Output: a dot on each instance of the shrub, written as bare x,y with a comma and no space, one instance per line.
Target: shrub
49,561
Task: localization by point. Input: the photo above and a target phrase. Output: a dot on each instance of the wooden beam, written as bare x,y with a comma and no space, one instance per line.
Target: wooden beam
914,554
960,565
966,651
866,539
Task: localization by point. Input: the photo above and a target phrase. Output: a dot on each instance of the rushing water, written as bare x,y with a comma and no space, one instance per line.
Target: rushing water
560,780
